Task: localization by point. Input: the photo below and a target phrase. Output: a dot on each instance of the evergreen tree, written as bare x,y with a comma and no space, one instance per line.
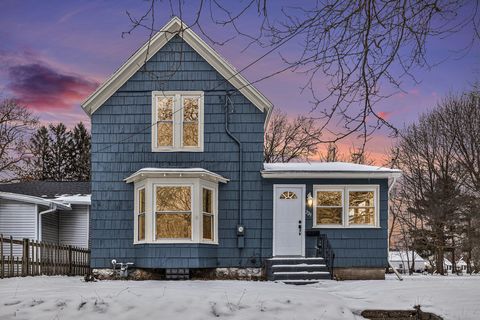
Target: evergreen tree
40,149
80,153
59,163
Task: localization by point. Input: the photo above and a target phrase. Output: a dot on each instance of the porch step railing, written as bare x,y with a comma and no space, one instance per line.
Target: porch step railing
323,249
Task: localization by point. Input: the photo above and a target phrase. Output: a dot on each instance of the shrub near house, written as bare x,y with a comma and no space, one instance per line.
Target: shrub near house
193,191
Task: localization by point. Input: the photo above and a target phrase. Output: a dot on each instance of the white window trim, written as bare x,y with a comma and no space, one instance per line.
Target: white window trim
345,198
196,184
328,188
214,214
178,121
137,213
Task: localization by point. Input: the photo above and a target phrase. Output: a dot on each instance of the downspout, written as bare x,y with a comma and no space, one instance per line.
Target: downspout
388,238
240,226
40,214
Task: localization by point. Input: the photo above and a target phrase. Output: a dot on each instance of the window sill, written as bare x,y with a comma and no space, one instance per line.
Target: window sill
344,227
175,242
166,150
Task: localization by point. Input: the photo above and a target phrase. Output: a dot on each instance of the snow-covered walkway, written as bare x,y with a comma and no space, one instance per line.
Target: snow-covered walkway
70,298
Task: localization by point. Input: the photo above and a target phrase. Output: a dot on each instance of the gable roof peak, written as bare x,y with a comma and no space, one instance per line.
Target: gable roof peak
175,27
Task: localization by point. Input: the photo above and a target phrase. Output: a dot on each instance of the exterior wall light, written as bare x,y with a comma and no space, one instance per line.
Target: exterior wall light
309,200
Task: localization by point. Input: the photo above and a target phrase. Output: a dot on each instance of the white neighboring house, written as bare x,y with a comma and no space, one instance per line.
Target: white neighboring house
402,260
462,265
51,211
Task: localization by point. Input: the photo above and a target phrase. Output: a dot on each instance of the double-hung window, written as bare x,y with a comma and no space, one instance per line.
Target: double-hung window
346,206
141,214
177,121
208,218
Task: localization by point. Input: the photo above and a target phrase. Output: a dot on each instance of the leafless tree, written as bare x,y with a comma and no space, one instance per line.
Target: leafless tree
290,139
365,49
16,124
460,116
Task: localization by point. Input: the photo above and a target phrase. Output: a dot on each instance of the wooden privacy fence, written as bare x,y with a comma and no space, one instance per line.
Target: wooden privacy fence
32,258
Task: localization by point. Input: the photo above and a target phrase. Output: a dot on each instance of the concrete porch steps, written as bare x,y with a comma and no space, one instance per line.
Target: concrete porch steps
294,270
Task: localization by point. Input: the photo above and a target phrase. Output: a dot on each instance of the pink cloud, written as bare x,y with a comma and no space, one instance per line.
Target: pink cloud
42,87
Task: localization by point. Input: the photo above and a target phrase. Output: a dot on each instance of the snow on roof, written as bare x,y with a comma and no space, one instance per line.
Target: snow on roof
75,199
326,169
175,172
403,256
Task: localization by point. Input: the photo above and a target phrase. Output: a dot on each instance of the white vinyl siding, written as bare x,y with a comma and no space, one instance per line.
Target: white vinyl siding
17,219
50,227
74,226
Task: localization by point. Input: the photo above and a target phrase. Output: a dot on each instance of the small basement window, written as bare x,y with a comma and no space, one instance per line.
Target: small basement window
346,206
177,121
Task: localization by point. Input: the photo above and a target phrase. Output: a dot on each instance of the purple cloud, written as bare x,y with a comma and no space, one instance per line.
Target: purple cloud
41,87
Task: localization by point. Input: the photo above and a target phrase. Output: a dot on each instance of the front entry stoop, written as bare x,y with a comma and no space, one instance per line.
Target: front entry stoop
297,270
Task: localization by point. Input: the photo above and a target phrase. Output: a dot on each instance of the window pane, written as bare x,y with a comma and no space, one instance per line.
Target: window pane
207,227
173,199
141,227
190,134
190,109
361,216
361,198
207,200
141,201
329,215
164,108
165,134
329,198
287,195
173,226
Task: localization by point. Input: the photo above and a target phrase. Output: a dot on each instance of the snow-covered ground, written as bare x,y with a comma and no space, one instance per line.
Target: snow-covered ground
70,298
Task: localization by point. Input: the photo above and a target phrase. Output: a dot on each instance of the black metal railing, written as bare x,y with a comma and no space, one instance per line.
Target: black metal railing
324,250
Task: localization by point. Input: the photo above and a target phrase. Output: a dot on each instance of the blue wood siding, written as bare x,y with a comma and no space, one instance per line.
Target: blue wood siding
118,150
354,247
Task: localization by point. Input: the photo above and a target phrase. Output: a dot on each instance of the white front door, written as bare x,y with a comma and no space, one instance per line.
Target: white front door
288,220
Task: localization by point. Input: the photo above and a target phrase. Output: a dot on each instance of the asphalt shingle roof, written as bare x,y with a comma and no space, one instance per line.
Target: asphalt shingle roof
47,189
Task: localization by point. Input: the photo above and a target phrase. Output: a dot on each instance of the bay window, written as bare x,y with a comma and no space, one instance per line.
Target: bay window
346,206
176,205
177,121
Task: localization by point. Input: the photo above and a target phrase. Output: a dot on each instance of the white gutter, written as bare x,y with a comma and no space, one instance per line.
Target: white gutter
390,187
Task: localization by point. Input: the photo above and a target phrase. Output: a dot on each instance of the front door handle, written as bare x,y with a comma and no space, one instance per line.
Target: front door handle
299,227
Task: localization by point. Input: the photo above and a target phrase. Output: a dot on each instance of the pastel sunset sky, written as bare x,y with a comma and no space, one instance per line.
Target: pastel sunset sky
53,54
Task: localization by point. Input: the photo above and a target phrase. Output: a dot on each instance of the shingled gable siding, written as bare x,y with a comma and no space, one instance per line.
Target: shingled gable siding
129,111
354,247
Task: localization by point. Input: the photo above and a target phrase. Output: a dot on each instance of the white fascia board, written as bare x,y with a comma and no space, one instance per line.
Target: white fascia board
136,61
327,175
34,200
175,173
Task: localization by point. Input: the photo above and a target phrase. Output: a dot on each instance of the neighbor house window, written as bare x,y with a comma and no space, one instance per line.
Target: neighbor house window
173,214
346,206
177,123
208,219
141,214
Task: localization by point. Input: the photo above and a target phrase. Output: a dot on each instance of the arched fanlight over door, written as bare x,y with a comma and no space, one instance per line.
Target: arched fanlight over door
287,195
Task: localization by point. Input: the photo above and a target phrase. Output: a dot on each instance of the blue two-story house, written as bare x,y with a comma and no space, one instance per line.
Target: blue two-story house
178,179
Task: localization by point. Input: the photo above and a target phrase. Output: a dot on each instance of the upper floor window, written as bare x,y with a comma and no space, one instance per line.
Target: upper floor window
177,121
346,206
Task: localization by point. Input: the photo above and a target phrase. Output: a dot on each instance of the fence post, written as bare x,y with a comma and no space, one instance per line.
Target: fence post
25,257
1,256
11,258
70,266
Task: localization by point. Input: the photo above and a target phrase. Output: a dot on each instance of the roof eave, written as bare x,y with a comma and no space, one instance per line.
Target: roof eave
328,174
34,200
134,63
179,173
